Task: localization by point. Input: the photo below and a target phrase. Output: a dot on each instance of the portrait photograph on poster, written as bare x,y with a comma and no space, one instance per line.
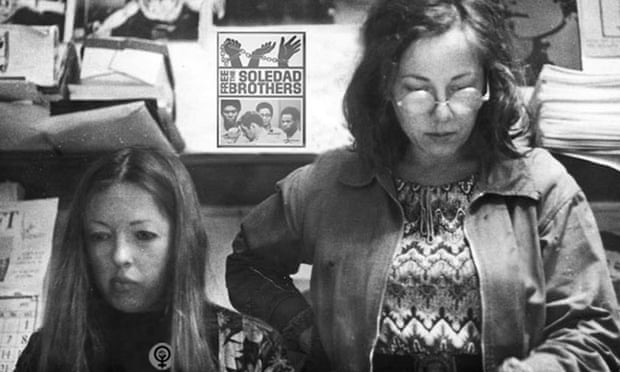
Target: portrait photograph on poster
261,122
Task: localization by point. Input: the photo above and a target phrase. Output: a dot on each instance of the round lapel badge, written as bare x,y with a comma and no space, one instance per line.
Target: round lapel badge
160,356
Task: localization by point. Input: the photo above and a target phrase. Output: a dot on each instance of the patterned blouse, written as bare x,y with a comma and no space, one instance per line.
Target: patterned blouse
432,300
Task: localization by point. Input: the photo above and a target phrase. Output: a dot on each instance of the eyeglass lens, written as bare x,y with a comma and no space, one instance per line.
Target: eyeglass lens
422,101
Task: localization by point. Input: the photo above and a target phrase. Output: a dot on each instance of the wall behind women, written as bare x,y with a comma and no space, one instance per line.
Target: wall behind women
545,31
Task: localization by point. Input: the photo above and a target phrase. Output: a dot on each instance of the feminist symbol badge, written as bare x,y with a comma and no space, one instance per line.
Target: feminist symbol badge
160,356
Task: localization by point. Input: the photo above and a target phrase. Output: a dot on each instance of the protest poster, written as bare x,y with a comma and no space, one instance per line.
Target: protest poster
261,89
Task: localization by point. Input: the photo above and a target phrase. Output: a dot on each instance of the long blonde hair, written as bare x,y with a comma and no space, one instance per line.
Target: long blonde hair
70,338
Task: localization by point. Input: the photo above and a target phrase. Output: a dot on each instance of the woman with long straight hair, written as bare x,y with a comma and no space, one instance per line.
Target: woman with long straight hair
126,287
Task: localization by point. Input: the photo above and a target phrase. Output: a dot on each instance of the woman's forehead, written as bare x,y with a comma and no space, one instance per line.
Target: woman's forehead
450,53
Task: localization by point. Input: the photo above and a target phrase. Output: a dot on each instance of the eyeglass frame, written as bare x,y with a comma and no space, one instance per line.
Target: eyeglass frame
483,98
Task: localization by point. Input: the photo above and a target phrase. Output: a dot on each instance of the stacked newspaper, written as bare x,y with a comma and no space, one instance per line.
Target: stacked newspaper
578,114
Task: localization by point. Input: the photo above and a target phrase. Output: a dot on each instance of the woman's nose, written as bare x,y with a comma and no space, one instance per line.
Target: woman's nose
122,254
442,111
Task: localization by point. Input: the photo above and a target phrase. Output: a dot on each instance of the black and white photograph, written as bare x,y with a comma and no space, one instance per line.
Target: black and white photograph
261,89
261,122
309,185
146,19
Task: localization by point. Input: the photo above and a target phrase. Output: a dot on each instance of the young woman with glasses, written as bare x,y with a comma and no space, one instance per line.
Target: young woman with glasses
437,244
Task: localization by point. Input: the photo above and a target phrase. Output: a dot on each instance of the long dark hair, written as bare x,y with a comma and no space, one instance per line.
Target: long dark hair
70,338
390,28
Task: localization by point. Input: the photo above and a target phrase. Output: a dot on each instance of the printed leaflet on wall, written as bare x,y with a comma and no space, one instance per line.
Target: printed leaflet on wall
261,89
26,234
599,26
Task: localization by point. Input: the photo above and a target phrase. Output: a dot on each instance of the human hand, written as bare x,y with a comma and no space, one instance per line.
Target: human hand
98,31
514,365
232,47
287,49
233,133
264,49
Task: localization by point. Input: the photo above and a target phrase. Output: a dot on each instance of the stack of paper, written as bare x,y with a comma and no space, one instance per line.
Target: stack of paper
124,68
105,129
118,70
578,114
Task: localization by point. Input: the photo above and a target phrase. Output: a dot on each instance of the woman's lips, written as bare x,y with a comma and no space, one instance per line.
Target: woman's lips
440,134
122,284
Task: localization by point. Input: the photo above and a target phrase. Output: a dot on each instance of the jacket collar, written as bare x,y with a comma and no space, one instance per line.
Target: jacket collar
507,176
356,173
510,177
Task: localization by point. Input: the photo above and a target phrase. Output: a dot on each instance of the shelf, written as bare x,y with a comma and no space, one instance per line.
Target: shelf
230,179
241,179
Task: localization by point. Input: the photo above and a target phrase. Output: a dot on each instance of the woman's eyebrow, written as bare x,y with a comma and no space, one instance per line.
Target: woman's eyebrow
413,75
97,222
463,75
138,222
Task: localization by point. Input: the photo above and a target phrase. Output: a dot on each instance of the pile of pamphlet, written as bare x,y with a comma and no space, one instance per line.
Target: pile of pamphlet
117,70
578,114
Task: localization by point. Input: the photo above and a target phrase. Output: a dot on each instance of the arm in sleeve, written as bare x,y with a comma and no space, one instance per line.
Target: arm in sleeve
267,250
581,329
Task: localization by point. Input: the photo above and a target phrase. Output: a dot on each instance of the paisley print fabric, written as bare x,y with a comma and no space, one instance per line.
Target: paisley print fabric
432,301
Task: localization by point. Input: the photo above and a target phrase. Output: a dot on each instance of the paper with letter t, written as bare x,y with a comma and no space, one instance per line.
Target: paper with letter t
26,236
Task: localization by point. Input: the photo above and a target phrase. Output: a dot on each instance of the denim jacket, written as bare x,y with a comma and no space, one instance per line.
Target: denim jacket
545,289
